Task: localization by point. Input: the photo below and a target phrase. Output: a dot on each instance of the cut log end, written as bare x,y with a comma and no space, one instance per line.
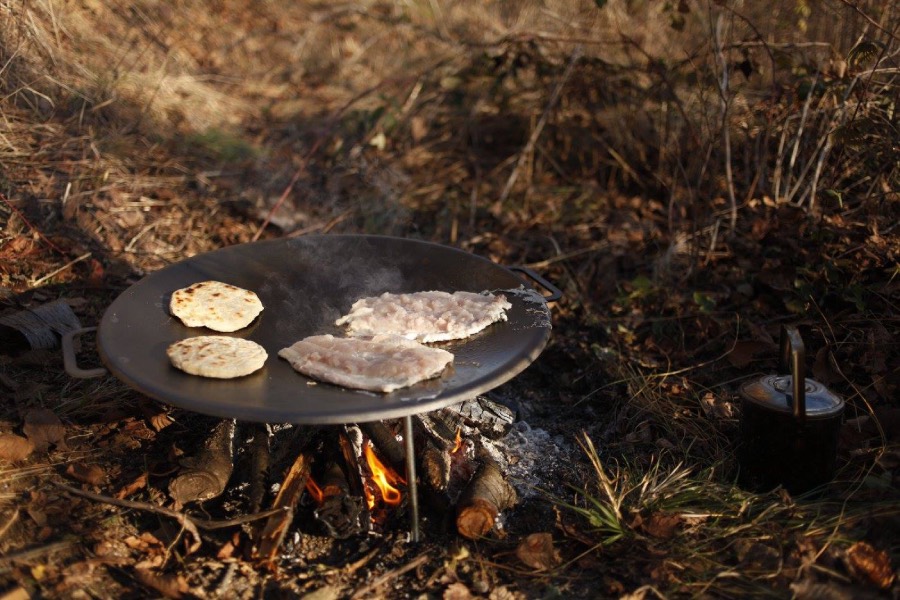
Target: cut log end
197,486
476,519
486,496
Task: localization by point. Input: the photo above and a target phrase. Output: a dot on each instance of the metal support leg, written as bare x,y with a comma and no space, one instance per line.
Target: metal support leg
412,487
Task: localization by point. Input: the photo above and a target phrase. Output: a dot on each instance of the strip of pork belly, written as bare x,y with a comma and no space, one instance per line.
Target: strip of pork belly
381,364
425,316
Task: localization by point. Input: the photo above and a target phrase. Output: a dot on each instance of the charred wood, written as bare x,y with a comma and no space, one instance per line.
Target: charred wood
272,534
259,464
434,464
287,441
386,443
492,419
204,475
351,443
482,501
342,509
438,428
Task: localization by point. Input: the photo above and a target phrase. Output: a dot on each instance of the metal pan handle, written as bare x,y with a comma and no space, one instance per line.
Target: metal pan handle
793,359
555,292
71,362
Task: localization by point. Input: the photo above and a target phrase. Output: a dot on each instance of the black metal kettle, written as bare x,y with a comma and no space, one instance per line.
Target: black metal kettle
789,425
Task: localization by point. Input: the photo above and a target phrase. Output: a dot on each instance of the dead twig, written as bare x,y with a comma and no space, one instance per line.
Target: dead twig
9,523
25,220
190,524
39,551
56,272
380,581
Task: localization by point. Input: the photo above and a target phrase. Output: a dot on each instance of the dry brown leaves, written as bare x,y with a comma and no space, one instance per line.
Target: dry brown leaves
44,429
537,551
89,474
870,565
15,448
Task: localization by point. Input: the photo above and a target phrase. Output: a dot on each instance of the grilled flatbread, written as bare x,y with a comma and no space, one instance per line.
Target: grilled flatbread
425,316
218,356
381,364
216,305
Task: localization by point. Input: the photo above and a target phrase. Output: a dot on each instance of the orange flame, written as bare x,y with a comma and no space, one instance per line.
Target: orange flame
315,491
458,442
384,478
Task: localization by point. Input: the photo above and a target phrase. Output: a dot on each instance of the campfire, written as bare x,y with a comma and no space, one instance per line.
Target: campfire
352,480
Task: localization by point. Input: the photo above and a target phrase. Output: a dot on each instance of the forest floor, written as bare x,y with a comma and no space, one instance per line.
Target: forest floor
536,148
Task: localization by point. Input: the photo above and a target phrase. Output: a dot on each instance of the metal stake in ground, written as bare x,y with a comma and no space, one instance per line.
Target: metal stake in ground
412,488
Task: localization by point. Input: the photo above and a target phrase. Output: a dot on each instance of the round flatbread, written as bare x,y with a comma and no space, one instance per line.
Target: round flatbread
218,356
216,305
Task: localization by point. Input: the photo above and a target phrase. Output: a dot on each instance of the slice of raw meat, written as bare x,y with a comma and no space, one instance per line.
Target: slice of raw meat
425,316
381,364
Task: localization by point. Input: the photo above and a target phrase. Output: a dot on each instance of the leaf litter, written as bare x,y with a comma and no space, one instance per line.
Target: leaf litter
664,311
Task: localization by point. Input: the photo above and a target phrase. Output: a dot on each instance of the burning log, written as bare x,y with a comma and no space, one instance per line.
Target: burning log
205,475
492,419
386,442
341,504
486,496
435,465
272,535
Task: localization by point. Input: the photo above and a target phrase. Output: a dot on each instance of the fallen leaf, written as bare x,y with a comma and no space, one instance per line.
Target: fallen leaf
457,591
823,368
504,593
97,273
19,593
145,543
870,565
14,448
661,525
44,429
38,516
170,586
157,415
745,351
229,548
139,483
714,408
537,552
757,555
89,474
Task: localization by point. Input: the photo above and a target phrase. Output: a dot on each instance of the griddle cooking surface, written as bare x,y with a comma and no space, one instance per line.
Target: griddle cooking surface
305,284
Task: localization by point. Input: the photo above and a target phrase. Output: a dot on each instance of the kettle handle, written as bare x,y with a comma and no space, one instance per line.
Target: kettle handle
793,361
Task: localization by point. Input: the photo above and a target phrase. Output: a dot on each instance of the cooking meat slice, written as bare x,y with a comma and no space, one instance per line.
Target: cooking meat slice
425,316
382,364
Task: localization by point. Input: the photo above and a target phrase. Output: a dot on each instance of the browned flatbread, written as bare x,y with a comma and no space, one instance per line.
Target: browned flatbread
218,356
216,305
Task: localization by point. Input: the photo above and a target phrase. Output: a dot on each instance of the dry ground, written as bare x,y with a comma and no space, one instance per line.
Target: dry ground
693,175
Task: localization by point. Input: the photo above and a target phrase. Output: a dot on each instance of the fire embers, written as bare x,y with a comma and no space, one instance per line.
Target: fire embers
354,492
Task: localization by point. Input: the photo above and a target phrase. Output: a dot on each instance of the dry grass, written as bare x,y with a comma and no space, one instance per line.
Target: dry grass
693,174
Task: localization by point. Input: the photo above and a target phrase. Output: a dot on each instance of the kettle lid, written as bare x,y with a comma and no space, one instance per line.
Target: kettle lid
774,392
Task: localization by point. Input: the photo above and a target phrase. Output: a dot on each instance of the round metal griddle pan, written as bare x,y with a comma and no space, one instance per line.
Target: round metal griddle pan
305,284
